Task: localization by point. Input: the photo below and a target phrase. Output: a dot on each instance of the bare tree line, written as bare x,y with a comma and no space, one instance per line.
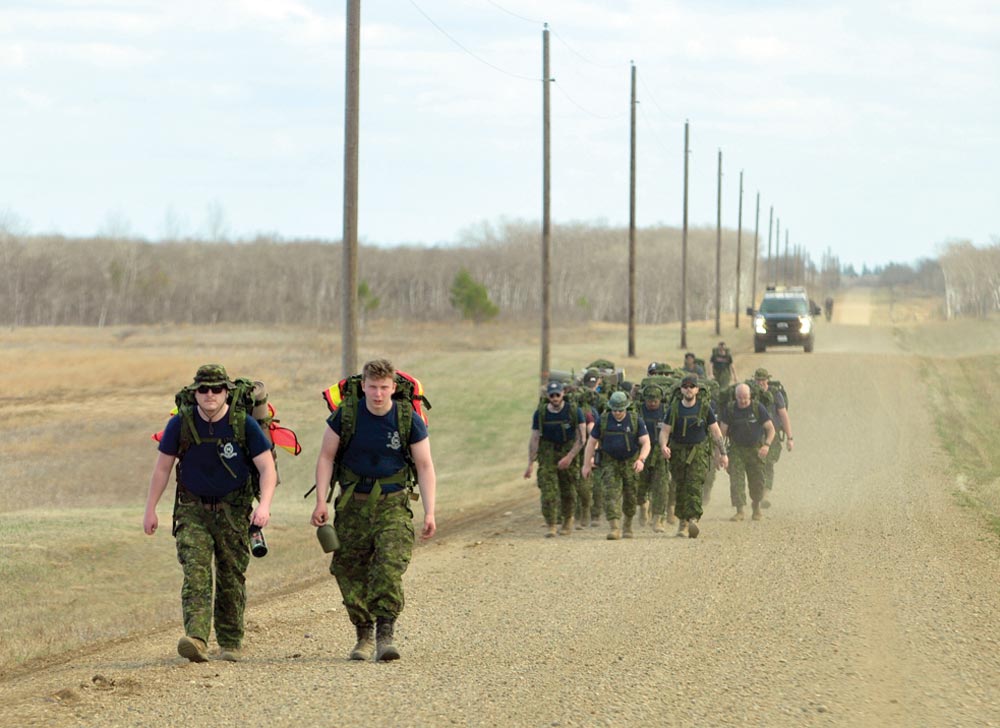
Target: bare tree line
971,278
52,280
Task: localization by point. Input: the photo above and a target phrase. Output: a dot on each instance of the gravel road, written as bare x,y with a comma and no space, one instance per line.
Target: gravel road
866,597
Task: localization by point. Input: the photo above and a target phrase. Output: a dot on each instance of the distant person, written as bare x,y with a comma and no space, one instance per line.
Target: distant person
591,396
751,433
374,521
692,366
684,439
722,365
558,430
778,411
213,510
828,307
624,443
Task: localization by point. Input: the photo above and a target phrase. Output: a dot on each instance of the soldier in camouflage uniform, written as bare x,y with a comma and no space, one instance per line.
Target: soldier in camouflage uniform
779,416
557,432
684,441
213,512
624,447
655,477
598,403
751,433
374,521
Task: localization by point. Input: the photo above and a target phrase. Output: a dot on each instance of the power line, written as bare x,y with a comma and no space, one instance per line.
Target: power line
580,55
447,35
583,108
510,12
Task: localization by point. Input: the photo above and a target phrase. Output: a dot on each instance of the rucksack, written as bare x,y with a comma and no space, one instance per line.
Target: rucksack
673,408
631,413
778,386
727,397
346,396
611,378
247,397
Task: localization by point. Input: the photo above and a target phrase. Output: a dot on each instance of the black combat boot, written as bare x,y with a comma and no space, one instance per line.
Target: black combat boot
384,649
365,647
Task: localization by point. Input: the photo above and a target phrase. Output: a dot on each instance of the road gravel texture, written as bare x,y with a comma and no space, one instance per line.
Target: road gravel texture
866,597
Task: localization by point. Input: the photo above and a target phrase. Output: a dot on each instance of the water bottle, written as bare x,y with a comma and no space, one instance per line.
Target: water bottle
327,536
258,546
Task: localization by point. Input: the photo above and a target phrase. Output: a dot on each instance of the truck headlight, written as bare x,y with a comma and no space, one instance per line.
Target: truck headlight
758,325
805,324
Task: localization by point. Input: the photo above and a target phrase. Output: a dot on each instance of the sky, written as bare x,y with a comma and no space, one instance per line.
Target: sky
871,128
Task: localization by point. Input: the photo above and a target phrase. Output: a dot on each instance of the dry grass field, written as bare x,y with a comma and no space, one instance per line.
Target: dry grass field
82,404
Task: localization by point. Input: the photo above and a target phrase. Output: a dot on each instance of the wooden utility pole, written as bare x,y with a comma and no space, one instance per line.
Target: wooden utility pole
739,250
546,209
718,248
684,246
756,254
349,272
770,229
777,250
631,228
784,266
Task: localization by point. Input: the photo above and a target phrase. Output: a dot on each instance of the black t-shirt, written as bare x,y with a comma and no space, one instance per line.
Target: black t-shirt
746,426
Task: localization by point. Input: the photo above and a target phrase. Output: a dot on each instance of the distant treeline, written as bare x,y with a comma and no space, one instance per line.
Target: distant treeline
51,280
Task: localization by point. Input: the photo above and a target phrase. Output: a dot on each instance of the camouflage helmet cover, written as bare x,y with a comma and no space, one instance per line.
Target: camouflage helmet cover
211,375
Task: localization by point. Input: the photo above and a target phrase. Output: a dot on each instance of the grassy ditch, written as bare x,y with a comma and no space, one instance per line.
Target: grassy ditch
965,398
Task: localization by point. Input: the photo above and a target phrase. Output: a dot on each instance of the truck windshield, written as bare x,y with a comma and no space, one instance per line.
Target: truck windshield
797,306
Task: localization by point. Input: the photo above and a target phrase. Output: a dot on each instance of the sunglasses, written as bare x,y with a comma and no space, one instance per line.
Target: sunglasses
204,389
689,386
555,395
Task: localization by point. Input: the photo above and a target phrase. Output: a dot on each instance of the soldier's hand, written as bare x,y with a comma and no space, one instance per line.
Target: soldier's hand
260,516
430,528
320,514
666,452
638,466
585,471
564,462
527,473
150,523
788,443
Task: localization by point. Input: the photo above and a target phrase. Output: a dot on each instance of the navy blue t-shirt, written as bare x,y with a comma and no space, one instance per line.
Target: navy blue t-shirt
746,426
557,427
375,450
653,419
201,469
620,441
690,429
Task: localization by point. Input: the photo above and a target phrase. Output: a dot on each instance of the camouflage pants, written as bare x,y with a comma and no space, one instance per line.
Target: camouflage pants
773,455
376,542
745,469
558,487
654,483
619,483
688,466
223,536
723,378
706,488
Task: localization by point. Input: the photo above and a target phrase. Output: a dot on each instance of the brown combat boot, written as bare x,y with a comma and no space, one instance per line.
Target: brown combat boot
693,529
384,649
659,524
584,519
739,515
671,518
644,513
757,515
193,649
682,529
567,527
553,530
365,647
765,503
615,533
627,531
